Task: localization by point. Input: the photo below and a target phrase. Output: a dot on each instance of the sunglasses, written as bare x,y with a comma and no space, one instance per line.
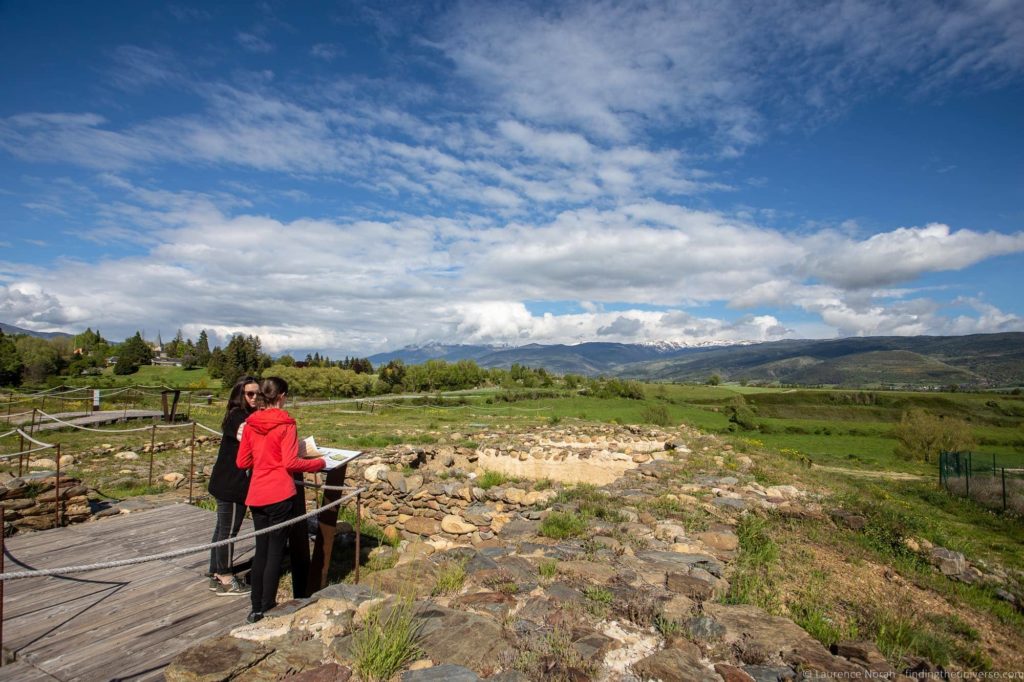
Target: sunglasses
251,394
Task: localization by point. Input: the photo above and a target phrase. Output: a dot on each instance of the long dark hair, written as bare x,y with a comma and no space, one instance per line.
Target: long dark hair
271,389
236,399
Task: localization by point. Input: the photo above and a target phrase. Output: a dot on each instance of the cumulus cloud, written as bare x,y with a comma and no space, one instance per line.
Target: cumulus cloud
369,285
903,254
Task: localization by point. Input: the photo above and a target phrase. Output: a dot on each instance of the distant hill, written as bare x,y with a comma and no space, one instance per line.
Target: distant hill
11,329
976,360
585,358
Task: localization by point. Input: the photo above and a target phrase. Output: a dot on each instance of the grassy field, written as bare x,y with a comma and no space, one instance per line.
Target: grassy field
149,375
801,568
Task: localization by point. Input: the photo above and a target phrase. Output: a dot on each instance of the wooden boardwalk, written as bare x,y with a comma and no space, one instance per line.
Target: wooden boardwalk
94,419
123,623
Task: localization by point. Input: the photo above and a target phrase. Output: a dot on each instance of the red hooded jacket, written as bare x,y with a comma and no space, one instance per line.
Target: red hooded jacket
270,446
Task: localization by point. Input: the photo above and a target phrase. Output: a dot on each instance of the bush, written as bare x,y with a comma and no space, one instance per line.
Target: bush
922,436
656,414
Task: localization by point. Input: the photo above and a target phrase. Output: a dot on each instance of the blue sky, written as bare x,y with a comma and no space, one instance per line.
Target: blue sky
354,177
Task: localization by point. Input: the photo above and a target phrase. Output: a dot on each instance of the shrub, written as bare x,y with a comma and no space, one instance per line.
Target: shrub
656,414
922,436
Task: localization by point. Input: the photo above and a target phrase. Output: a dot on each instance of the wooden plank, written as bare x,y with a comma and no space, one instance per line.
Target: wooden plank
20,671
129,621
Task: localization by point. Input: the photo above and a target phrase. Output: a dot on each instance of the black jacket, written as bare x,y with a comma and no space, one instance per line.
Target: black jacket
228,482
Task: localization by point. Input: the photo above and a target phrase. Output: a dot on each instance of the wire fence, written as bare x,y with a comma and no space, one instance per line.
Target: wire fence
988,479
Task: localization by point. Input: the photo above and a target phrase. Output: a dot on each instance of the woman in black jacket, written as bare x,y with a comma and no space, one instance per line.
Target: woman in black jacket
229,486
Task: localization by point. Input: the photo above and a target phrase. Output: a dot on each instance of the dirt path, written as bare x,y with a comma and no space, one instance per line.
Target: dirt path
860,473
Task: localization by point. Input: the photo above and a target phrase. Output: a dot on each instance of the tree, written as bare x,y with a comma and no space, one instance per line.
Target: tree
40,359
922,436
203,349
133,353
10,362
243,355
714,380
392,373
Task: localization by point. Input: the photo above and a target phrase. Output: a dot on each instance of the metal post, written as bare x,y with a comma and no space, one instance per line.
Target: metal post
152,449
359,517
968,475
993,464
192,463
1004,488
56,492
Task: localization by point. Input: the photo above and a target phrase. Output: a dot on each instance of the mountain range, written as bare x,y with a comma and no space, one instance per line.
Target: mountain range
976,360
12,330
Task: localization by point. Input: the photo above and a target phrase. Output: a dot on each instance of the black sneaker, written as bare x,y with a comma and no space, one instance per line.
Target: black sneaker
235,588
254,617
214,584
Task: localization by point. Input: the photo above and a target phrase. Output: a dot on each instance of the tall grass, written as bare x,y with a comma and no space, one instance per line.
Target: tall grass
386,642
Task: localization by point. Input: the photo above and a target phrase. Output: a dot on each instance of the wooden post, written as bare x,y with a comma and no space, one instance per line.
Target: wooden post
326,526
192,463
21,449
152,451
56,492
1004,488
3,533
359,531
968,470
32,426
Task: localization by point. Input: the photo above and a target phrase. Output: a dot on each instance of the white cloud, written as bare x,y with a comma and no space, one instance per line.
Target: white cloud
903,254
364,286
617,69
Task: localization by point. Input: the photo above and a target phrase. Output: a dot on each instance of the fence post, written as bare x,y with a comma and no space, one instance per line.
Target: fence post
968,479
993,464
56,492
1004,488
152,450
21,449
192,463
359,531
32,426
3,533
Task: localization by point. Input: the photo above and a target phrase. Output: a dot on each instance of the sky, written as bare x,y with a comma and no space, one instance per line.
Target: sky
354,177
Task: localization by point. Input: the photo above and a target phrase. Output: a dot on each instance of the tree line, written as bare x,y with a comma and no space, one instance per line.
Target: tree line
36,361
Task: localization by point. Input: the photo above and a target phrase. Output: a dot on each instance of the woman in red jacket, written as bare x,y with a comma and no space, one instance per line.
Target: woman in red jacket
270,447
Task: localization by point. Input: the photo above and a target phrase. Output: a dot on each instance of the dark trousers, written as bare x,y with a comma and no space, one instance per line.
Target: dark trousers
266,564
229,520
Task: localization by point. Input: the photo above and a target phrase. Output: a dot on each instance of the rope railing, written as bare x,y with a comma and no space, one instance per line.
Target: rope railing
173,554
27,452
88,428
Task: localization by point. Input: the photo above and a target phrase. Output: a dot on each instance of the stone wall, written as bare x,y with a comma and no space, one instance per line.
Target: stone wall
433,492
30,503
